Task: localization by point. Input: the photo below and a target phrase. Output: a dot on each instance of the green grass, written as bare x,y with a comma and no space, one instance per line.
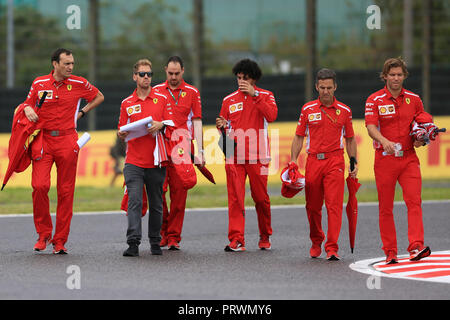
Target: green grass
18,200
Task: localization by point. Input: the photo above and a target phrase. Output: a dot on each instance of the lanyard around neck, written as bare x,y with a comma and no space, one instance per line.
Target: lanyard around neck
329,117
176,100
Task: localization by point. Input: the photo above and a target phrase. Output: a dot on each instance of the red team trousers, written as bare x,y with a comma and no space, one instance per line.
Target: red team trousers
63,151
173,218
324,180
236,176
406,170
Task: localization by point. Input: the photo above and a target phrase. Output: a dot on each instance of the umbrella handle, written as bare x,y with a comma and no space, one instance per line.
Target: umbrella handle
41,101
352,163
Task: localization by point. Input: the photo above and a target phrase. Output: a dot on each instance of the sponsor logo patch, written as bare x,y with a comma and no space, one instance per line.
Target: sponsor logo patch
236,107
386,110
49,94
315,117
133,109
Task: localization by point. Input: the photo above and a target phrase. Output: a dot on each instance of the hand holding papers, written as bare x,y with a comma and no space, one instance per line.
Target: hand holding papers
137,129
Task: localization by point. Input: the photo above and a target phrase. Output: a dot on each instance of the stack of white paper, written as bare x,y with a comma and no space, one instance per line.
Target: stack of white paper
137,128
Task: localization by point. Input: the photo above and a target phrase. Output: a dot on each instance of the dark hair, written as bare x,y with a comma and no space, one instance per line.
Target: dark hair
175,59
249,68
324,74
393,63
57,53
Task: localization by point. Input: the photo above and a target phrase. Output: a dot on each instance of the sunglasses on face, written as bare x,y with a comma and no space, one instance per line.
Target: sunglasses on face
142,74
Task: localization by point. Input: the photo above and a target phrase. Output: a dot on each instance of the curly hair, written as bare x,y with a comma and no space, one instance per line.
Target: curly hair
249,68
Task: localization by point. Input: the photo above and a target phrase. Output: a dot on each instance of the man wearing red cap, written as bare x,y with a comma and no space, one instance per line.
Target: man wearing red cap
325,123
58,121
389,114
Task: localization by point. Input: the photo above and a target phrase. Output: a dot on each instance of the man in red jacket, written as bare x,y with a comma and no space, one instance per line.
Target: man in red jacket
143,165
58,121
325,123
185,104
389,114
245,115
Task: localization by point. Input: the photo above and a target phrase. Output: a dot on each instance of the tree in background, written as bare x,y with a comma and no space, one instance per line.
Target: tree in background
148,32
36,37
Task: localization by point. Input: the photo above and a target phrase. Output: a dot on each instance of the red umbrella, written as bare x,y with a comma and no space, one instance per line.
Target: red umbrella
352,207
22,134
206,173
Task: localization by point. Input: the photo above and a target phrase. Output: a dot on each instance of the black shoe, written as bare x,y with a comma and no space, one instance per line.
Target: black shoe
155,249
132,251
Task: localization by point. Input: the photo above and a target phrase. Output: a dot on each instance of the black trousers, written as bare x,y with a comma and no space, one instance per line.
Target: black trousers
135,179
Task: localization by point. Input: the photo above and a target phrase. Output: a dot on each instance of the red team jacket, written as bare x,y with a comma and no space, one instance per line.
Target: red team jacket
248,118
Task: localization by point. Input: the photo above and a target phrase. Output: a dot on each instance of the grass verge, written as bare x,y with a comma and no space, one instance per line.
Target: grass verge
18,200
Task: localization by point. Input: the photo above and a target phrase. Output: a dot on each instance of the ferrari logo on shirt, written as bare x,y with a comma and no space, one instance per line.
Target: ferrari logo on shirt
408,101
49,94
180,151
338,112
386,110
315,117
155,100
236,107
183,94
69,87
134,109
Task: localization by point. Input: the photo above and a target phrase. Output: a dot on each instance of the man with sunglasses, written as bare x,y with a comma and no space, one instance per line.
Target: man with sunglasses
185,104
57,121
143,166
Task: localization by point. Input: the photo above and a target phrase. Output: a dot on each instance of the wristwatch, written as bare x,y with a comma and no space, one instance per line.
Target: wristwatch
256,93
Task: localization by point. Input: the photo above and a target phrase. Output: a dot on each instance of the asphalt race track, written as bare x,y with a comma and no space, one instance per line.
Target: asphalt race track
201,270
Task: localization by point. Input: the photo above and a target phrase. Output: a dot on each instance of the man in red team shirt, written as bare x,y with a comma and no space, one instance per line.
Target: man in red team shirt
57,120
389,114
142,164
245,115
325,123
185,104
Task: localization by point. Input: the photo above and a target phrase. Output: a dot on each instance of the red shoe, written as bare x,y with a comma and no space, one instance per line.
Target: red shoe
417,254
58,248
173,245
391,258
333,256
264,243
235,246
42,243
315,250
163,242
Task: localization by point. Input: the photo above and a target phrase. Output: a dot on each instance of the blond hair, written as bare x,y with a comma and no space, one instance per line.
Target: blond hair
142,62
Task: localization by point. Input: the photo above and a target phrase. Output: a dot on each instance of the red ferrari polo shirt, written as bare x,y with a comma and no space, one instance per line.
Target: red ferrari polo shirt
140,150
393,116
184,102
325,127
60,108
